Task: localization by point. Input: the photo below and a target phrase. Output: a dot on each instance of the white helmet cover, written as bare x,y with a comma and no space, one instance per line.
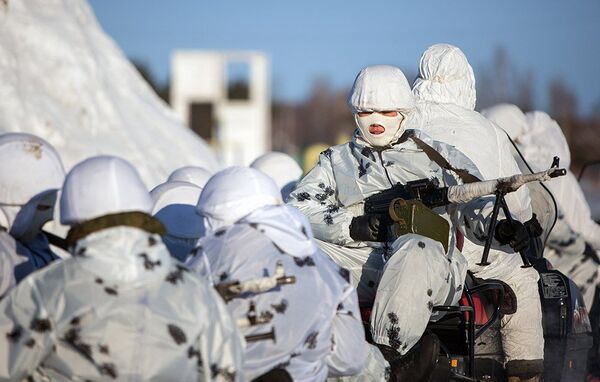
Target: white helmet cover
445,76
192,174
381,88
282,168
175,207
28,166
102,185
233,193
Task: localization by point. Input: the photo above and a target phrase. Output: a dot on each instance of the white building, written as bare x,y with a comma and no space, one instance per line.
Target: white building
207,95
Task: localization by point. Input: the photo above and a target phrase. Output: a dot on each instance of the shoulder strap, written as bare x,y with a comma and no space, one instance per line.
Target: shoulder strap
463,174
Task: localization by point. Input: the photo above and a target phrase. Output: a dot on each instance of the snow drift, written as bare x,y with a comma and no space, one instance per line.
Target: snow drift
63,79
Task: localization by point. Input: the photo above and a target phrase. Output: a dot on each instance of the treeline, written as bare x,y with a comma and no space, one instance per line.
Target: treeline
323,116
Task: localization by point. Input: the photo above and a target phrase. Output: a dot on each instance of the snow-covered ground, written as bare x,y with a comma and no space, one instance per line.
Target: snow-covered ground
64,79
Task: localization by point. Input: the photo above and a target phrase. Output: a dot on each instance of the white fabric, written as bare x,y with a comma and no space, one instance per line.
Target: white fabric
192,174
286,227
543,204
13,265
317,334
233,193
28,165
381,88
282,168
564,240
508,117
101,186
446,90
481,141
175,207
575,208
18,259
417,277
464,192
119,309
539,143
345,176
392,128
376,368
31,172
542,141
445,76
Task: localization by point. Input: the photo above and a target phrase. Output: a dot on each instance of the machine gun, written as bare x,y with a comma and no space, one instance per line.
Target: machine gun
409,206
427,191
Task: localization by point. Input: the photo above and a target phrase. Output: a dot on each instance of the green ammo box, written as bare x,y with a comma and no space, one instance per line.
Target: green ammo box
412,216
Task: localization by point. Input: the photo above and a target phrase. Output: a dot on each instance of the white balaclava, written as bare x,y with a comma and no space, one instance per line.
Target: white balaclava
31,173
233,193
175,207
100,186
191,174
445,76
377,89
282,168
509,118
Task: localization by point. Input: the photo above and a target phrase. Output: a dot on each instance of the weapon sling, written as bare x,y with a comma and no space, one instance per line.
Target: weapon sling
436,157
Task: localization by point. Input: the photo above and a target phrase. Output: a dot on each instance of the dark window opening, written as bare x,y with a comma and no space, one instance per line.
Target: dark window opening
238,80
202,119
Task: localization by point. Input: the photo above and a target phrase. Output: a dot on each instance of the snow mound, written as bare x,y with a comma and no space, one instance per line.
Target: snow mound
63,79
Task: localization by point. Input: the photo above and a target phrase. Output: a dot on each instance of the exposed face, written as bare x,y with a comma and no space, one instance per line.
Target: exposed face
379,128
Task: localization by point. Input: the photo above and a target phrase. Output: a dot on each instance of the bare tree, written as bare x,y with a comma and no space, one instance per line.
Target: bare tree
502,82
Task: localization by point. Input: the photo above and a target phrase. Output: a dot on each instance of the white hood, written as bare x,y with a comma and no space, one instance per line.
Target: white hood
282,168
445,76
509,118
192,174
101,186
234,193
543,141
381,88
287,227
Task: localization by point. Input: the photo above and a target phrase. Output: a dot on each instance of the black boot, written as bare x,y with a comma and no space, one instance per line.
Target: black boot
418,364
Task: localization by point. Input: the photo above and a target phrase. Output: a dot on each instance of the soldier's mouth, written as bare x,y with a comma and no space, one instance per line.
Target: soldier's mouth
376,129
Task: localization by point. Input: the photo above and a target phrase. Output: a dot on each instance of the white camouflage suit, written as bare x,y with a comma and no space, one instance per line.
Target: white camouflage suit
445,89
316,320
539,139
120,308
407,278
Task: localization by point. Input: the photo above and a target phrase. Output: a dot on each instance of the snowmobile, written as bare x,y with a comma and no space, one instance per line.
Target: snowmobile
469,342
592,173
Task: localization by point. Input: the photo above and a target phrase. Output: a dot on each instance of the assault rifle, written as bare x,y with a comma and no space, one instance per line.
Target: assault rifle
234,289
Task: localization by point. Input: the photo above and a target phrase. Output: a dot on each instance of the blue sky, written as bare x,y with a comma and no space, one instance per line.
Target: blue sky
333,39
